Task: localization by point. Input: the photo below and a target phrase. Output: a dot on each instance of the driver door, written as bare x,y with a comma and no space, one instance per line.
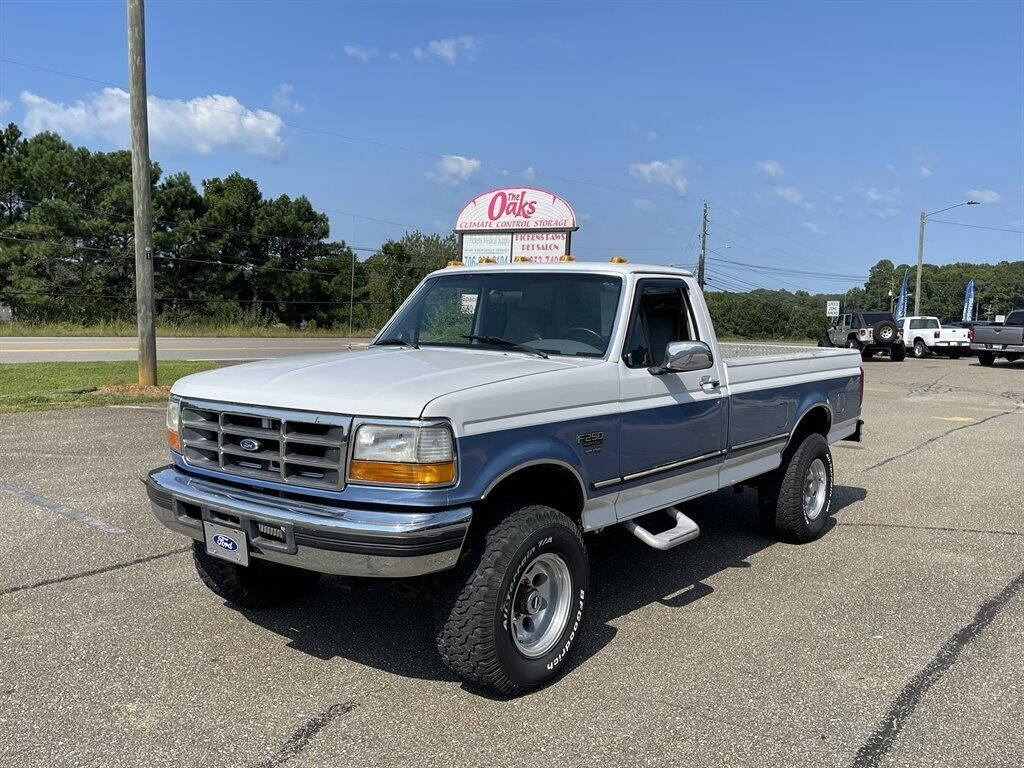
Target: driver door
672,437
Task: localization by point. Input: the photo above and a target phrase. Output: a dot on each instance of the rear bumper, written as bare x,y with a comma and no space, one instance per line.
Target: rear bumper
1013,349
318,537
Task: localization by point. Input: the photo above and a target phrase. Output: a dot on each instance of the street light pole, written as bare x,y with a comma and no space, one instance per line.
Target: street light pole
920,250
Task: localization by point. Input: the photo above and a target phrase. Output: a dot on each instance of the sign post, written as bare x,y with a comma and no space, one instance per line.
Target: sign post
515,223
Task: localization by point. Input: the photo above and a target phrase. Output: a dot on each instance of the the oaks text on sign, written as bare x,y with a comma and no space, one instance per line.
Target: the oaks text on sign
512,208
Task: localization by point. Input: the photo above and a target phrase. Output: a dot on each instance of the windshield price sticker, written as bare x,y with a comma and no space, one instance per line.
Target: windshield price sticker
468,303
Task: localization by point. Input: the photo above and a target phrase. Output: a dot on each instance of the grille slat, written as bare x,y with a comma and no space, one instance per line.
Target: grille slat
296,448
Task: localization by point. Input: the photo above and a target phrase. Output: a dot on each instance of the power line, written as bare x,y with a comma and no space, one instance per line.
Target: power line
277,120
977,226
794,272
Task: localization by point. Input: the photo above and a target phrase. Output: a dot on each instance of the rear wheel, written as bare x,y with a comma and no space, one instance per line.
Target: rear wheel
517,609
796,499
954,355
867,354
898,353
261,584
986,358
920,349
852,343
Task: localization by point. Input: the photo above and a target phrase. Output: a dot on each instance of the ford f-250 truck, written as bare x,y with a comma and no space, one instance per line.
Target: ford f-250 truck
501,414
1000,340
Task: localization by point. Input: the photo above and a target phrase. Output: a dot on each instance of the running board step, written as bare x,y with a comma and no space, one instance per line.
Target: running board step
685,530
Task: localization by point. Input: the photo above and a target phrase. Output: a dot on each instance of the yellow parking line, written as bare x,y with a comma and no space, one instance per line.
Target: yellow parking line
954,418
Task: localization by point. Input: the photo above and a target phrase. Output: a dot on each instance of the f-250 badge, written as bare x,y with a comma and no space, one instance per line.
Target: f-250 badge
591,442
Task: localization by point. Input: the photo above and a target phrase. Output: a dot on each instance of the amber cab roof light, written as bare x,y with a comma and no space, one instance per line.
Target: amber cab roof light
618,260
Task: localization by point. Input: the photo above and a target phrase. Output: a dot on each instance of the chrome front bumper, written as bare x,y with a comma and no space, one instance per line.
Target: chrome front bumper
317,537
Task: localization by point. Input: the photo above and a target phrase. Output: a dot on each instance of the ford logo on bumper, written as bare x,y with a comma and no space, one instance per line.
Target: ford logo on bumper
225,542
248,444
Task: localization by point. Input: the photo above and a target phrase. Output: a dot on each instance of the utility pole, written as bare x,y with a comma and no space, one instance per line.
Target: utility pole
145,308
920,261
703,246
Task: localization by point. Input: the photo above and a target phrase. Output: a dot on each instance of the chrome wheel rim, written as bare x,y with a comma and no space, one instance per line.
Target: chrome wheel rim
540,606
815,488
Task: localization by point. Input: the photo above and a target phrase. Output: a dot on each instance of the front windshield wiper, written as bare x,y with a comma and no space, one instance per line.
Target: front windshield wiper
506,343
394,340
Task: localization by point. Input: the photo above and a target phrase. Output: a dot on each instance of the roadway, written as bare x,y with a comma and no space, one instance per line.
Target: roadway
894,640
22,349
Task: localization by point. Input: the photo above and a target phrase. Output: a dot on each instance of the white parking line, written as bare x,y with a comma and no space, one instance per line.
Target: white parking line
60,509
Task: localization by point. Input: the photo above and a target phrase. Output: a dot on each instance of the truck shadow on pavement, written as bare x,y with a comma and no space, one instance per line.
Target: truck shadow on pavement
384,627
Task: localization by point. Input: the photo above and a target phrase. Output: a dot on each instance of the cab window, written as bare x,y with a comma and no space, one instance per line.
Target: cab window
661,314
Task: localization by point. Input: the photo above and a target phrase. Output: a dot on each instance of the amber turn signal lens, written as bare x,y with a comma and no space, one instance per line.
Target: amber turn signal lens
407,474
173,441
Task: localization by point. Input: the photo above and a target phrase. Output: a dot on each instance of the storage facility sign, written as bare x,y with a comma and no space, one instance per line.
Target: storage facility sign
515,223
832,309
516,208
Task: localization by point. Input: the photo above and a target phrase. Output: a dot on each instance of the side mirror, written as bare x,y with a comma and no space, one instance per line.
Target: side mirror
683,356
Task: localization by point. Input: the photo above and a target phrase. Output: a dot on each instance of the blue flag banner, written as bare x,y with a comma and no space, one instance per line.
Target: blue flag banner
969,301
901,305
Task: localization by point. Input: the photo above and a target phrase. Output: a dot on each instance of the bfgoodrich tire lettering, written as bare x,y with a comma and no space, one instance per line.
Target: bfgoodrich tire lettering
475,637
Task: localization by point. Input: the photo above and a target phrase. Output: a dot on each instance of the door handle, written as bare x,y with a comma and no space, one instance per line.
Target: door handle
708,384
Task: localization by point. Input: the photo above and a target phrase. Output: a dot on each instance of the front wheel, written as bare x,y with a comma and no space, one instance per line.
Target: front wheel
796,499
261,584
986,358
517,612
920,350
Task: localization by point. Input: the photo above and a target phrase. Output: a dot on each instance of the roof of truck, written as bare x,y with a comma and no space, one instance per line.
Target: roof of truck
572,266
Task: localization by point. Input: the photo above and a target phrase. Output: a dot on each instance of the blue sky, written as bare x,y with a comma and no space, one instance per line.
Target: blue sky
816,131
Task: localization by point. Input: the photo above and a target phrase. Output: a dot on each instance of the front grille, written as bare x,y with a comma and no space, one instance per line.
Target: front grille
293,447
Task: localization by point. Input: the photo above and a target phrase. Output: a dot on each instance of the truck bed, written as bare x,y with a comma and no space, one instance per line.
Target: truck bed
751,362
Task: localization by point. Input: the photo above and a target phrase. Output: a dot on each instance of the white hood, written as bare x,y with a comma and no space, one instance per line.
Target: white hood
380,381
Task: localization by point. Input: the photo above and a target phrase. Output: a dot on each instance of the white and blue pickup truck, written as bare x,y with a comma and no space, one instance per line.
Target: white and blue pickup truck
504,412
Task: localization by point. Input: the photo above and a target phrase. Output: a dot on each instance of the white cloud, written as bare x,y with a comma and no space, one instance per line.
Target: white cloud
666,172
794,196
450,49
358,52
4,106
394,55
529,173
875,195
203,124
771,168
282,99
890,167
984,195
643,204
454,169
925,171
810,226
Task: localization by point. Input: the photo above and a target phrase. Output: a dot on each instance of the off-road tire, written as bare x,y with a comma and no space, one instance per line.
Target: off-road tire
897,353
955,355
780,494
867,354
474,638
259,585
885,332
825,341
920,349
986,358
852,343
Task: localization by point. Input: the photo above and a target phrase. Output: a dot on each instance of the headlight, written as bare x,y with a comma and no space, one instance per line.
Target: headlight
174,424
403,455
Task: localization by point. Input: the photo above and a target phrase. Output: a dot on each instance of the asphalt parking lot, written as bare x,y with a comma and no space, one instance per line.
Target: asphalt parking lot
894,640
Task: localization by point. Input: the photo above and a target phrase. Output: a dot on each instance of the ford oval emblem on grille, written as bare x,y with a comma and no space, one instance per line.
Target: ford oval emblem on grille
248,444
225,542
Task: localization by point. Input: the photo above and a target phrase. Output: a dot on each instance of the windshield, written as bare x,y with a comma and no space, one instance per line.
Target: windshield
923,322
558,313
